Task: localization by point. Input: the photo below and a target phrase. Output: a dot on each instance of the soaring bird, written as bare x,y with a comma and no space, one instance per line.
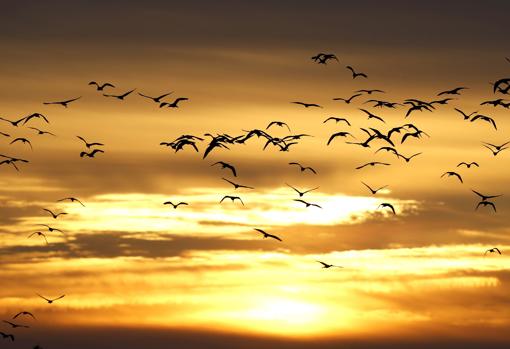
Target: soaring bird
468,164
373,191
233,198
336,119
303,168
35,116
494,150
372,116
496,146
38,233
492,250
89,145
484,118
451,173
22,140
355,74
307,105
27,313
15,123
407,159
373,163
278,123
175,205
485,197
454,91
307,204
266,235
63,103
323,58
347,100
326,265
72,200
41,132
301,193
102,86
51,229
54,215
237,186
50,301
174,104
339,134
486,203
91,154
499,82
156,99
120,97
466,116
387,205
369,92
13,325
226,165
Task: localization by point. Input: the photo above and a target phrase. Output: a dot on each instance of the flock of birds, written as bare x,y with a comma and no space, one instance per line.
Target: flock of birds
284,144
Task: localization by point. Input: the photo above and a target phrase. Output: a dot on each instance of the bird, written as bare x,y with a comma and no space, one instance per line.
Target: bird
5,336
24,313
13,325
322,58
466,116
267,235
35,116
307,204
38,233
102,86
174,104
15,123
369,92
373,163
55,216
454,91
492,250
301,193
326,265
22,140
51,229
495,146
339,134
373,191
485,197
63,103
451,173
308,105
89,145
175,205
348,100
156,99
494,151
336,119
72,200
486,203
407,159
278,123
226,165
484,118
499,82
303,168
5,134
372,116
468,164
120,97
50,301
387,205
41,132
355,74
91,154
233,198
237,186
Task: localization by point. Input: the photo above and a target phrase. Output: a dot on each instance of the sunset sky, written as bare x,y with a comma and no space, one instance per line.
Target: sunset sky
136,272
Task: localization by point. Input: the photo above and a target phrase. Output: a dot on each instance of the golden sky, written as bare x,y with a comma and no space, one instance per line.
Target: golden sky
136,271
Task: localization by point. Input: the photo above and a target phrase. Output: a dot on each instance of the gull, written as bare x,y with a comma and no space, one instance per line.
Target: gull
63,103
495,146
451,173
468,164
41,132
50,301
233,198
101,87
174,205
236,186
14,123
322,58
13,325
485,197
72,200
89,145
466,116
337,120
486,203
495,151
373,191
55,216
301,193
35,116
387,205
91,154
339,134
454,91
23,313
348,100
307,105
120,97
372,116
22,140
369,92
492,250
156,99
355,74
484,118
307,204
38,233
407,159
174,104
50,229
226,165
326,265
302,168
373,163
266,235
278,123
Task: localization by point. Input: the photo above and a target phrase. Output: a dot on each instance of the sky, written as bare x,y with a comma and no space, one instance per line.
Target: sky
137,272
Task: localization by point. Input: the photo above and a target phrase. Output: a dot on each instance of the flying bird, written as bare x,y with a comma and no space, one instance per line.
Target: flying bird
355,74
156,99
466,116
485,197
55,216
63,103
102,86
278,123
307,204
120,97
468,164
91,154
227,166
41,132
174,205
484,118
373,191
174,104
50,301
72,200
13,325
454,91
339,134
7,336
326,265
35,116
347,100
233,198
387,205
369,92
492,250
266,235
38,233
27,313
373,163
89,145
336,119
407,159
303,168
301,193
372,116
454,174
308,105
15,123
237,186
485,203
22,140
51,229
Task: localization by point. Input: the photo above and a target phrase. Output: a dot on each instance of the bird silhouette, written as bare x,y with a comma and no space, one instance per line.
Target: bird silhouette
387,205
486,197
496,146
7,336
237,186
500,82
72,200
24,313
454,91
336,119
175,205
100,87
120,97
374,191
55,216
51,300
369,92
484,118
454,174
407,159
14,325
492,250
35,116
466,116
303,168
22,140
493,150
278,123
89,145
5,134
63,103
41,132
327,266
156,99
174,104
91,154
347,100
307,105
301,193
51,229
323,58
307,204
355,74
339,134
227,166
372,116
485,203
15,123
233,198
468,164
267,235
38,233
373,163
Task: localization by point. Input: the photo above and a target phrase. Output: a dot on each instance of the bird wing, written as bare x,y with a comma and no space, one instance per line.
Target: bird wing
311,169
274,237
